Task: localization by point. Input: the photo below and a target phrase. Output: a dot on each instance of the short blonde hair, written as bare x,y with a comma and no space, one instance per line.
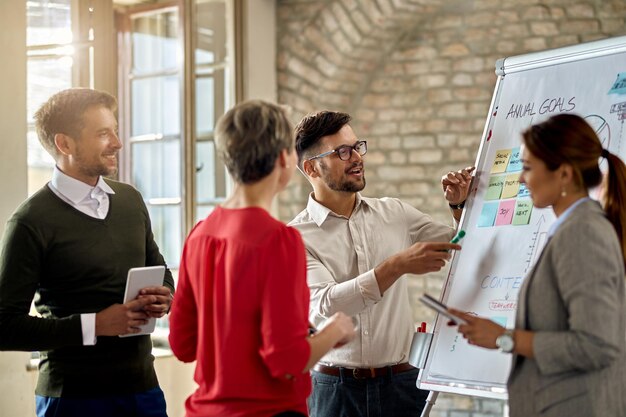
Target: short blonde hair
249,138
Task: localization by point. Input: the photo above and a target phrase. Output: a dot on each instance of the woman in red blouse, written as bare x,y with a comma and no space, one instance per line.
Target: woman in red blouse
242,299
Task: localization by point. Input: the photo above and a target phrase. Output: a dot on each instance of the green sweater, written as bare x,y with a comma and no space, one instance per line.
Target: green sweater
72,263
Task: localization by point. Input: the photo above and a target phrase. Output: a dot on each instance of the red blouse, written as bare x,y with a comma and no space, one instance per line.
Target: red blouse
240,311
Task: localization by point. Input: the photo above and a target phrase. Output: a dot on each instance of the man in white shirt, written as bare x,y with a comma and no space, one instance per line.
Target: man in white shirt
358,250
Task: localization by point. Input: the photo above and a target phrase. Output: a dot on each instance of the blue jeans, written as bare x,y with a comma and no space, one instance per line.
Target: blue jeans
385,396
144,404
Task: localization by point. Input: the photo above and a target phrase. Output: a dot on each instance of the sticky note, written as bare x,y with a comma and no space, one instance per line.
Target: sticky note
619,86
494,189
488,214
505,212
511,186
523,209
523,191
515,163
501,161
500,320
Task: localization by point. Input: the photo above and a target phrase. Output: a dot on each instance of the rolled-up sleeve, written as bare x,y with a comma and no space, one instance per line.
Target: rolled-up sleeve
328,296
422,228
342,255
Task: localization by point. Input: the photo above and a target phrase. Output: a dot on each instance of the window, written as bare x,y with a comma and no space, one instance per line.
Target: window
213,90
152,121
173,75
176,81
171,94
67,46
61,53
50,68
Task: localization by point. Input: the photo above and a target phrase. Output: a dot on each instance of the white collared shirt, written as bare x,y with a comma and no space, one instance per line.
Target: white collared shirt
559,221
341,256
93,201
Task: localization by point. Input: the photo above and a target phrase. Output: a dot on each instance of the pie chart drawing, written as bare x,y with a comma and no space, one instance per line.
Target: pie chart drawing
599,124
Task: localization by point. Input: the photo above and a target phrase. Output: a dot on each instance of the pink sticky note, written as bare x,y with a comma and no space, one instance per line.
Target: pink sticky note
505,212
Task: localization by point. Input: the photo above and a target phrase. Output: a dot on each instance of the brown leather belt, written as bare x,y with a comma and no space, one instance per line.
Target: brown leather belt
363,373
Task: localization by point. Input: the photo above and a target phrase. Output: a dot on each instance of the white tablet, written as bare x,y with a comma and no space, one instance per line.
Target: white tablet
441,308
139,278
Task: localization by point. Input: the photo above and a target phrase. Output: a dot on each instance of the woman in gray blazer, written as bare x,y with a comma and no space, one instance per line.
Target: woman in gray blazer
568,345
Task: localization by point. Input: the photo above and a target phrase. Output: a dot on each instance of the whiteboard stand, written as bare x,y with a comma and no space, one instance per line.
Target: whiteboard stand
430,402
417,357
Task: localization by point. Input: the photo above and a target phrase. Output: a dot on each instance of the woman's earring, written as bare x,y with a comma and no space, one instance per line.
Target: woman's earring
563,192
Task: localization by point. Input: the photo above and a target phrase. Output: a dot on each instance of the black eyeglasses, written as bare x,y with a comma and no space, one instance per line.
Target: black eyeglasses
344,152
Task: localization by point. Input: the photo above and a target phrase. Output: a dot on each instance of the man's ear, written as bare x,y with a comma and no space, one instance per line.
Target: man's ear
64,144
308,167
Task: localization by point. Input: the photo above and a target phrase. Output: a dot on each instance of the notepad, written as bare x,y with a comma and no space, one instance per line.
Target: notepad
138,279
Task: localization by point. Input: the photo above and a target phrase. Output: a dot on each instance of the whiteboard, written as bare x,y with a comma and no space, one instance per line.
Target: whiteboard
505,233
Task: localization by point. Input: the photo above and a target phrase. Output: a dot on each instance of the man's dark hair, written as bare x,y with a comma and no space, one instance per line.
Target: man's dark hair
63,113
249,138
315,126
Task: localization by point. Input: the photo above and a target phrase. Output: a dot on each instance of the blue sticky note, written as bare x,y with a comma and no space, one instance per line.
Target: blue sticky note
619,86
523,191
500,320
515,163
488,214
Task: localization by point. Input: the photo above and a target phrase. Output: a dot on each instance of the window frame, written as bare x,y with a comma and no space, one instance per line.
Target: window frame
190,73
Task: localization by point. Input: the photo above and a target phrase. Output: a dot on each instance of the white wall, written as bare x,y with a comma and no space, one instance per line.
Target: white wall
176,380
15,398
259,50
12,108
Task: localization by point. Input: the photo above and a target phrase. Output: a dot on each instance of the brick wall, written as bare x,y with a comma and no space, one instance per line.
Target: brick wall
418,77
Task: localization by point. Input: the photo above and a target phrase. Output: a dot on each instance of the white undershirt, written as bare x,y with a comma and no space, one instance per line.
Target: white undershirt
94,202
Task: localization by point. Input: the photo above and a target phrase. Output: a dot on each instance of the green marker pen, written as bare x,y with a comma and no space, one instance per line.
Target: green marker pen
460,235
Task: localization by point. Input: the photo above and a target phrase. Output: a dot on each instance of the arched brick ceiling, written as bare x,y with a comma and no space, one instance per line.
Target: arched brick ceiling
336,73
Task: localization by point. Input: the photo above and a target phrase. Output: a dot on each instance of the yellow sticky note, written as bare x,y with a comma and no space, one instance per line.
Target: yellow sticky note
501,161
511,186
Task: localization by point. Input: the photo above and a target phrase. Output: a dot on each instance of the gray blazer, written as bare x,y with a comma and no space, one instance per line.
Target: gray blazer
574,301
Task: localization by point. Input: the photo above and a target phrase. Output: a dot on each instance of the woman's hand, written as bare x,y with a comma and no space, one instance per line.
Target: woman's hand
479,331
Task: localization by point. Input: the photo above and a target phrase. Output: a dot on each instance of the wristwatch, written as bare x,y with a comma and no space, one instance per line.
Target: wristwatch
505,342
457,206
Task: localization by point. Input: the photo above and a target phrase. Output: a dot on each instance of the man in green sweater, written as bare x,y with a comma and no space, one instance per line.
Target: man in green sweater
69,247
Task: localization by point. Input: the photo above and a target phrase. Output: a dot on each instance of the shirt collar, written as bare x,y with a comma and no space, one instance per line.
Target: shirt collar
75,190
320,212
559,221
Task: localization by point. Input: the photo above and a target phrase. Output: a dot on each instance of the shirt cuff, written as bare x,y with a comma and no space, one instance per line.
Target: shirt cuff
88,325
368,285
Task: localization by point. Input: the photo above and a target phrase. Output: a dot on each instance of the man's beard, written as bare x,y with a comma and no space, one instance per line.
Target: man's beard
342,186
93,169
